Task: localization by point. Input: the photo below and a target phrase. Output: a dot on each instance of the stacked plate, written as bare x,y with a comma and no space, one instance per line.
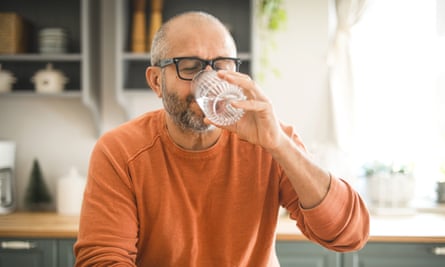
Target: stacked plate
53,40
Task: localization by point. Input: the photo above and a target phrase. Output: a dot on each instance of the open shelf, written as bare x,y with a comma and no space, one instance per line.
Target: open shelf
79,18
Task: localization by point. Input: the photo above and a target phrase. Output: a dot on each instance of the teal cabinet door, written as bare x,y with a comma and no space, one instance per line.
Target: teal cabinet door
397,255
65,252
28,252
305,254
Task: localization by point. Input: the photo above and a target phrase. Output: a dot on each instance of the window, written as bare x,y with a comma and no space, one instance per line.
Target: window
398,61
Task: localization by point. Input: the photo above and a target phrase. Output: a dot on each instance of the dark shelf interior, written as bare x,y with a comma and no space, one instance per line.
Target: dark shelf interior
235,13
48,13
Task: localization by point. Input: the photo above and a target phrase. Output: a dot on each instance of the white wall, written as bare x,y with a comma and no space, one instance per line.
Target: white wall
61,132
300,93
58,132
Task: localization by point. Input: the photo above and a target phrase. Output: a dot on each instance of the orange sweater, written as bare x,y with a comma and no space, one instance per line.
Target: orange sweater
151,203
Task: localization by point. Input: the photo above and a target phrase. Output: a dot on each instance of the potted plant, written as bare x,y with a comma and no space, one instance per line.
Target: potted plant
389,184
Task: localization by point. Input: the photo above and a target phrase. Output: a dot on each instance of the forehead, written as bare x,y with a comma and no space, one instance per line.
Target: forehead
199,37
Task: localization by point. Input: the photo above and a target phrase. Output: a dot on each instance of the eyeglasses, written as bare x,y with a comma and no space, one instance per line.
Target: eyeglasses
188,67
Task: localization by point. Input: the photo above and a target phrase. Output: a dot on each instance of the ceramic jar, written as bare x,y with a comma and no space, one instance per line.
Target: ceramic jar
49,80
6,80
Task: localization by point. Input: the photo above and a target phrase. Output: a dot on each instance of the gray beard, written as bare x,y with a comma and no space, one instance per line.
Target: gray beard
180,112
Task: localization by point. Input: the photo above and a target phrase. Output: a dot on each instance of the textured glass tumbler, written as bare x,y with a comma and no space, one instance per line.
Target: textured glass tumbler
214,96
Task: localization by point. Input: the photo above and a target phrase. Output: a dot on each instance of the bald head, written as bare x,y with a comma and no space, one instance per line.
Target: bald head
190,34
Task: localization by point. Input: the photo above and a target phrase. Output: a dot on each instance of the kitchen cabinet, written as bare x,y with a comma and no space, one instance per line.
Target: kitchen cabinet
374,254
397,254
36,252
79,20
65,253
305,254
407,240
130,67
37,239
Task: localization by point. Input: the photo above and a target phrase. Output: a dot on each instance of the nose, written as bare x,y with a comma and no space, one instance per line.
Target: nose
208,66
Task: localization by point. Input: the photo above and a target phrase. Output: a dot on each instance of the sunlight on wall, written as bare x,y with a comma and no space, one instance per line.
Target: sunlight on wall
398,58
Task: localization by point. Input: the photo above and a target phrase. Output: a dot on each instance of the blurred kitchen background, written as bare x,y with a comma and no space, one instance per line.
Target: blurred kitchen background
363,83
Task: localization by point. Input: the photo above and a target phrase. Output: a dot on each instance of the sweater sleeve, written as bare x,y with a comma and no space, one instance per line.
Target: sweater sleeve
340,222
108,222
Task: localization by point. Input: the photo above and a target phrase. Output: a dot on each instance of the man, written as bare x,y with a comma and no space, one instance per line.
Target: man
170,189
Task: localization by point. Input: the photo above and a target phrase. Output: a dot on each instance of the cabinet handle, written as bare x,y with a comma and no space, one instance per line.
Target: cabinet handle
17,245
439,251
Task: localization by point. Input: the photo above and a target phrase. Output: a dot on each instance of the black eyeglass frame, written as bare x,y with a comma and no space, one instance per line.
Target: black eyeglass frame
175,60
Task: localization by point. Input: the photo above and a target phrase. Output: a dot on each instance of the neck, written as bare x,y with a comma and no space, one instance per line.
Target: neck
192,140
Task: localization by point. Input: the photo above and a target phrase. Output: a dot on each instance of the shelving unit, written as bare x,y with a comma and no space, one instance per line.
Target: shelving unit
130,67
81,63
78,18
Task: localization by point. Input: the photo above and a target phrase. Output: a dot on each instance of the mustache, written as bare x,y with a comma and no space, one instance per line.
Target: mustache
190,99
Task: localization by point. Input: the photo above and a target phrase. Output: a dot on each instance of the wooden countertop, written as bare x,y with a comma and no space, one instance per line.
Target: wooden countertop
418,227
421,227
39,225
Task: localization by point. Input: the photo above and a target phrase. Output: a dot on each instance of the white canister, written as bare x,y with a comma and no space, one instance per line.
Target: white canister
7,182
70,193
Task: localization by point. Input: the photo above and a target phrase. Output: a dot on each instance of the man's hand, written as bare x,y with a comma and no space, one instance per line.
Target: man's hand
259,124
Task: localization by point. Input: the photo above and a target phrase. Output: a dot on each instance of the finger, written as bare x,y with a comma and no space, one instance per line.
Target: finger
228,73
243,81
237,78
250,105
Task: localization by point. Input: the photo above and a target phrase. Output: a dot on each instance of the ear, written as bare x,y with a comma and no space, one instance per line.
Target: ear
153,77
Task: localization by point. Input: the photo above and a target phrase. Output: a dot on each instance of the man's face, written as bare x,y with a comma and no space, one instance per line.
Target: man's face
203,41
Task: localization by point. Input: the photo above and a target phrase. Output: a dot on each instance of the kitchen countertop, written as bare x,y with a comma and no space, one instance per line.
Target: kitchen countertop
416,227
39,225
419,227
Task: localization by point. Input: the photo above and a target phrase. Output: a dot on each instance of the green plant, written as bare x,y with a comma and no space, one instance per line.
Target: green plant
272,17
378,167
273,14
